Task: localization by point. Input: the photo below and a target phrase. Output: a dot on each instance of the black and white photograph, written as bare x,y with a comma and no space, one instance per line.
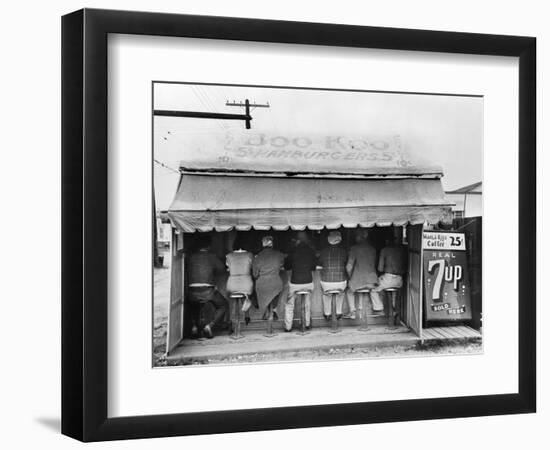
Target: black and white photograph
271,225
298,224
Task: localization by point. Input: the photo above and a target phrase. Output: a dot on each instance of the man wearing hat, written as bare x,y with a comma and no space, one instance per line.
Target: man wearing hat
333,260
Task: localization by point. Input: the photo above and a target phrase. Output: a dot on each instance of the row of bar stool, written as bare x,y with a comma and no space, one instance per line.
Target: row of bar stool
239,297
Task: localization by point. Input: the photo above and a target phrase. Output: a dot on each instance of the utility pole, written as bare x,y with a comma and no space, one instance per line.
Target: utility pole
211,115
247,105
198,115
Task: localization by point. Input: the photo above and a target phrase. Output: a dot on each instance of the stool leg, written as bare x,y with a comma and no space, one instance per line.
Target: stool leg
238,305
303,312
391,317
201,319
334,325
364,319
303,315
397,309
269,332
237,319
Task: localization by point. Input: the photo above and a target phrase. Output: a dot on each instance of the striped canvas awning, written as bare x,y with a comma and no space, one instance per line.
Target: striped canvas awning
222,203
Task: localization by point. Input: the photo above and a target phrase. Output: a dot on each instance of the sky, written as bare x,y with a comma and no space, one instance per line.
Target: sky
446,131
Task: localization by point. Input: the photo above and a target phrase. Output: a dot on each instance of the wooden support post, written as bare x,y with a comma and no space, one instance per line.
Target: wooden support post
247,105
247,114
203,115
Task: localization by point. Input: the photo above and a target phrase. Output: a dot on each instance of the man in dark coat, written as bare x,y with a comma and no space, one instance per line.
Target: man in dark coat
202,266
301,262
265,270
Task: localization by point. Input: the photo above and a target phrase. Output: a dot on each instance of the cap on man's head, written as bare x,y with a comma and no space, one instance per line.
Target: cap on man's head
334,237
267,241
361,235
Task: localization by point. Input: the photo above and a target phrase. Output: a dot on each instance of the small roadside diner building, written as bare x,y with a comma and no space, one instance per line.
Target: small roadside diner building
249,184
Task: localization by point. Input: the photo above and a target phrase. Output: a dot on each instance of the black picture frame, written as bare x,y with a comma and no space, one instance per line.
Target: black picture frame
84,224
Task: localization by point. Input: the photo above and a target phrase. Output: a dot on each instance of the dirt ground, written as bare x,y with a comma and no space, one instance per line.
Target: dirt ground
161,289
338,354
160,311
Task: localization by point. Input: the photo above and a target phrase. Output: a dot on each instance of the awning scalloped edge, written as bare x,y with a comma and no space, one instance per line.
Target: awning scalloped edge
247,227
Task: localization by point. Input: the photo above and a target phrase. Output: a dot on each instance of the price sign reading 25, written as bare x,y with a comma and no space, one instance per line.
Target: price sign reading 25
443,271
433,240
456,241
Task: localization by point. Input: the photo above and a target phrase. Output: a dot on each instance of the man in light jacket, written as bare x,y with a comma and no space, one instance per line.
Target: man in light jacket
361,269
392,264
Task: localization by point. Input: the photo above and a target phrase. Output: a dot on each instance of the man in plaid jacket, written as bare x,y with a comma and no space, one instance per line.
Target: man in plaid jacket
333,259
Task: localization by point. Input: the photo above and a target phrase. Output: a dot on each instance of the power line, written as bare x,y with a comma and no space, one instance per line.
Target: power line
164,174
202,102
211,102
165,166
205,103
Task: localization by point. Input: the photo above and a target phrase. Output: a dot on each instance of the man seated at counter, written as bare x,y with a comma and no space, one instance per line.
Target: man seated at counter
301,262
392,265
202,289
265,269
361,269
239,266
333,260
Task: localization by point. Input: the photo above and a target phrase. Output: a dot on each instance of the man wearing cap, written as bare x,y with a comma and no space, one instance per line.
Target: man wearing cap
333,274
301,262
203,266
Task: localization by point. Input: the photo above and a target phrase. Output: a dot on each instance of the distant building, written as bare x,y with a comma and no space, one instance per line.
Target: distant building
468,201
164,229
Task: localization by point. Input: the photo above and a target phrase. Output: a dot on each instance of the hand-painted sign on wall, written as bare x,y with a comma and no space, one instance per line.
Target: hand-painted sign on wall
446,283
261,152
261,146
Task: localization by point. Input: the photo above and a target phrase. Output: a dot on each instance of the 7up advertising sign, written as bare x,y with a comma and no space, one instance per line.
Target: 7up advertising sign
446,283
